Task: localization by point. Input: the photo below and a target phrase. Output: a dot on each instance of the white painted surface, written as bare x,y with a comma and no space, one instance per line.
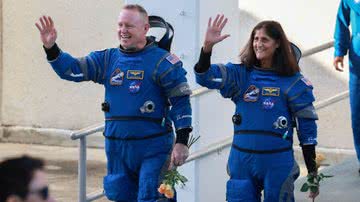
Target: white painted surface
32,94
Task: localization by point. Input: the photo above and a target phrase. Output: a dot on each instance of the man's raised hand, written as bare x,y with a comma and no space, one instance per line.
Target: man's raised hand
47,31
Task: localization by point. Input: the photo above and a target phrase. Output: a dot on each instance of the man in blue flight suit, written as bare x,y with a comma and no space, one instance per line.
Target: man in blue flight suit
145,92
349,14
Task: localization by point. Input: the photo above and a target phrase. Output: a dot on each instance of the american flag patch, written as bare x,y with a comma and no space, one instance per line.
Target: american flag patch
172,58
306,81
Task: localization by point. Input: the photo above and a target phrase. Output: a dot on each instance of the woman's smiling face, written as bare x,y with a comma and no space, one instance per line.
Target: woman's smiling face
264,47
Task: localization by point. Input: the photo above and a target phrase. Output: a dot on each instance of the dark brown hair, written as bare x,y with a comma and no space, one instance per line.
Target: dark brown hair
284,61
16,175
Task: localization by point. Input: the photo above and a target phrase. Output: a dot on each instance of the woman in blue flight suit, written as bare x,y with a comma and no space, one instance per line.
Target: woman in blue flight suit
271,98
349,14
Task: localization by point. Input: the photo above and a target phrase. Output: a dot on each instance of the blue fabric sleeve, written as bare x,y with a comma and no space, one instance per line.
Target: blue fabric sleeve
180,112
213,78
226,78
89,68
300,95
171,77
307,131
342,32
300,99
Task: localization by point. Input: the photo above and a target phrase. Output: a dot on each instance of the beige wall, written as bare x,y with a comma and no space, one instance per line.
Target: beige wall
32,94
307,22
1,61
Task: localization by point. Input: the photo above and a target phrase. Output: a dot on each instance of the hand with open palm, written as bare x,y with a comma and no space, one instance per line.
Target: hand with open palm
47,31
213,32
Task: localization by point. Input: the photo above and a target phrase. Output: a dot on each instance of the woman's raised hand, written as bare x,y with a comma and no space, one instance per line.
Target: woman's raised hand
213,32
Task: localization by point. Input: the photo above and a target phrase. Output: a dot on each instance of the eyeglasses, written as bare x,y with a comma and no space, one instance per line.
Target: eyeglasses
43,192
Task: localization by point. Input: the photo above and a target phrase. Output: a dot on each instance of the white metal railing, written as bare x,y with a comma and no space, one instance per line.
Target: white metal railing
215,147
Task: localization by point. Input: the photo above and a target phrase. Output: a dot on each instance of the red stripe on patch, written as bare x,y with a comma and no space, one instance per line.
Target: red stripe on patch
172,58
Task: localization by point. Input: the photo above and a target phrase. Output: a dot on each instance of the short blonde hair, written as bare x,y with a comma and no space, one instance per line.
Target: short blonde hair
139,9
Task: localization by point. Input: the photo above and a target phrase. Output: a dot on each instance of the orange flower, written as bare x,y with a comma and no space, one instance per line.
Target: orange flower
169,193
319,158
162,189
168,187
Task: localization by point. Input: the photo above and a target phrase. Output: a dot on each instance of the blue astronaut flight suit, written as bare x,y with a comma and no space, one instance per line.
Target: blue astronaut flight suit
261,156
139,89
349,14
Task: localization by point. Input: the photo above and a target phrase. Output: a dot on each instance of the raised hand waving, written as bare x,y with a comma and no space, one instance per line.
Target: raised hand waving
213,32
47,30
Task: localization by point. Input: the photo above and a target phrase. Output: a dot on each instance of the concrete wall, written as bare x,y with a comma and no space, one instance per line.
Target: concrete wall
1,60
32,94
307,22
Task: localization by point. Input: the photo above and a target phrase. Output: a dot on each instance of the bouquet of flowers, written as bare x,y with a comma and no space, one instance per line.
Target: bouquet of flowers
173,177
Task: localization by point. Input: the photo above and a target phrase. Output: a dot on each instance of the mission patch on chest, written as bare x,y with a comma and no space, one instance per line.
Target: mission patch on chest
251,94
117,77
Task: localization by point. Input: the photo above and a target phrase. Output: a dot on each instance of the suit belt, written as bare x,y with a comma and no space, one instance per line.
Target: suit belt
262,151
139,138
134,118
261,132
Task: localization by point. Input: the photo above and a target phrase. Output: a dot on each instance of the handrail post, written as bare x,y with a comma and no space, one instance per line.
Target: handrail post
82,169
